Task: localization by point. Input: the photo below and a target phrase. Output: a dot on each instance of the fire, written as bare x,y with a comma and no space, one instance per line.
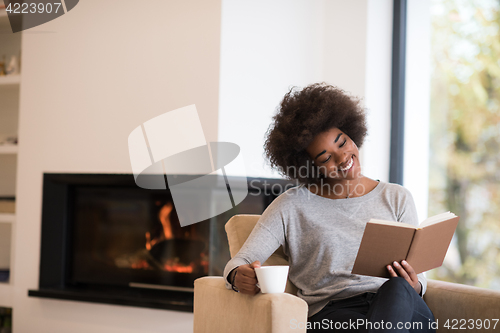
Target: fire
157,255
142,264
164,217
172,265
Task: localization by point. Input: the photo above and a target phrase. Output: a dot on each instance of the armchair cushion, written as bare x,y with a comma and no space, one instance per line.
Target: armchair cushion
449,301
217,309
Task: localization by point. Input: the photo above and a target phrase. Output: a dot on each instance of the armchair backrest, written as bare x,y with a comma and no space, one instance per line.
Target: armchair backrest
238,228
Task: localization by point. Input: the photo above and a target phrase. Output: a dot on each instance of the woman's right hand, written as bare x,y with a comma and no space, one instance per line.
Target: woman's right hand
246,279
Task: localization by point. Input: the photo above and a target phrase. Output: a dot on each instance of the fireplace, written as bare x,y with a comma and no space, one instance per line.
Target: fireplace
106,240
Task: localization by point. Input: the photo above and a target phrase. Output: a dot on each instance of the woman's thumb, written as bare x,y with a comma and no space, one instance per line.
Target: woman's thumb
255,264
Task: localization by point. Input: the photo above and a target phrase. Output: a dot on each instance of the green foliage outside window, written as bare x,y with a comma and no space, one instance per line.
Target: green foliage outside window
465,136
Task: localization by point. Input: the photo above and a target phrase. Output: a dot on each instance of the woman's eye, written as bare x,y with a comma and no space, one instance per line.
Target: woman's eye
342,145
326,160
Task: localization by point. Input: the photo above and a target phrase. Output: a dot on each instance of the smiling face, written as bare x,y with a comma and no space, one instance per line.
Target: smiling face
336,155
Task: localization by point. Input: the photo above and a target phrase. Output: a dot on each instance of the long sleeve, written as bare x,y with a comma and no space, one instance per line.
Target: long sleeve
265,238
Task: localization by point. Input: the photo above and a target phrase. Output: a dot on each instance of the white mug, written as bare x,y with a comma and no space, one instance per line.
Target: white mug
272,279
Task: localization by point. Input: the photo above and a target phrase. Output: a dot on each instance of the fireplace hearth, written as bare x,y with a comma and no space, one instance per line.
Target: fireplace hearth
106,240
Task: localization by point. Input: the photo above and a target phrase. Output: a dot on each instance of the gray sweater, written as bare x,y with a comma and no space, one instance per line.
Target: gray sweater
321,238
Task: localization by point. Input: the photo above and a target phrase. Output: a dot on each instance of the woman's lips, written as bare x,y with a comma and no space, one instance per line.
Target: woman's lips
349,165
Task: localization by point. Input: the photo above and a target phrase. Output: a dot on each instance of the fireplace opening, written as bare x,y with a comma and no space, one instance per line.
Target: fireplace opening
122,237
106,240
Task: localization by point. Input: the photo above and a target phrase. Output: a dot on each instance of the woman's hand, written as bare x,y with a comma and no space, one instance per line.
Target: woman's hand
407,272
246,279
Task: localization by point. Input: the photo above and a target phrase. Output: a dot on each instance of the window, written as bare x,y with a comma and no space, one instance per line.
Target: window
462,134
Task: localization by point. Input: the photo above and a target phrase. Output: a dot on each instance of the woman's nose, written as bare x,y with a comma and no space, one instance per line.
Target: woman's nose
340,157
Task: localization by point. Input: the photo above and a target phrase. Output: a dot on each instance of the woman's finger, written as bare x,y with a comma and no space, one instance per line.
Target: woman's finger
409,270
249,289
246,288
402,272
392,273
246,280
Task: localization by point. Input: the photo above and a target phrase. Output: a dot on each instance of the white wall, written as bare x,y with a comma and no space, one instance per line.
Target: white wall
269,46
266,47
88,79
417,103
376,149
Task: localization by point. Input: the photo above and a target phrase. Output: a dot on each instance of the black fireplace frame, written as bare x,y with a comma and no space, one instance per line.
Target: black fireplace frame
56,244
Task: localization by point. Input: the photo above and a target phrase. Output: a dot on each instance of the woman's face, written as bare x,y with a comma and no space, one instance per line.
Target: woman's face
335,154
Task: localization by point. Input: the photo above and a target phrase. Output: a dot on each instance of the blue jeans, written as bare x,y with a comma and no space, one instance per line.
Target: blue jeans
396,307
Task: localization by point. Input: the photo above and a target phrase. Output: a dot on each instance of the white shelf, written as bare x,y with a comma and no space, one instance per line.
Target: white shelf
6,294
8,149
9,80
9,84
7,218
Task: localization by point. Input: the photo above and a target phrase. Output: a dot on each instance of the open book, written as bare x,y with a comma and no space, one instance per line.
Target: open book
423,247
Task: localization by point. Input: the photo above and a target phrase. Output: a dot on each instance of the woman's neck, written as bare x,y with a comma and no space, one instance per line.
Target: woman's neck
346,188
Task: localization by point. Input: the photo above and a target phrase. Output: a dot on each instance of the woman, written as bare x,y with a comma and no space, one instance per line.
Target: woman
320,223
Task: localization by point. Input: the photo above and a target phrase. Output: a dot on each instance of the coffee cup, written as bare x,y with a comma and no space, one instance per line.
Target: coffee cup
272,279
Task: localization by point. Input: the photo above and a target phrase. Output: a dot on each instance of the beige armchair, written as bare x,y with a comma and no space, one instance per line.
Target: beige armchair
219,310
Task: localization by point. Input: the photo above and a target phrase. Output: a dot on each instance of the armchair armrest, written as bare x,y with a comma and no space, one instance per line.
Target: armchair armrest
217,309
456,301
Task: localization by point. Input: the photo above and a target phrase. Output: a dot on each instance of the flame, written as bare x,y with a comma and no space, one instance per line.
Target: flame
164,217
171,265
143,264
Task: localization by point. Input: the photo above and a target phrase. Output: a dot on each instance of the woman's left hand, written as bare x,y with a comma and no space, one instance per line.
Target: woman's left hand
405,271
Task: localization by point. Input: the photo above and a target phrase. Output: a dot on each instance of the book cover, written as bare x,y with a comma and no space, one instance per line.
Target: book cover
423,247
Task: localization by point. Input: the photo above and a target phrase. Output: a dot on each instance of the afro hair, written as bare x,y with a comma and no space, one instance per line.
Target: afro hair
301,115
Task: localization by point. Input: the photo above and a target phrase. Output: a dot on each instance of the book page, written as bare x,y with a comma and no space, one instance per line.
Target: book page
437,218
396,224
